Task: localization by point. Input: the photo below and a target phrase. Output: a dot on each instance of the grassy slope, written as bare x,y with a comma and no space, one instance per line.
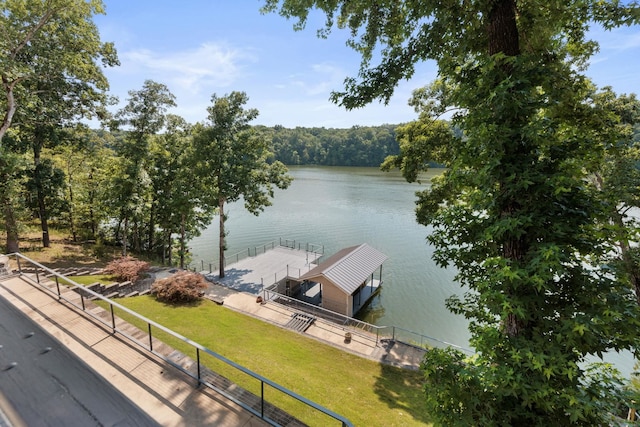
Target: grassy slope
366,392
105,279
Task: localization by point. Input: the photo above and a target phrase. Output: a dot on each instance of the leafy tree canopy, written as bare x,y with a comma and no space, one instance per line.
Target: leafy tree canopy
357,146
235,160
512,212
51,60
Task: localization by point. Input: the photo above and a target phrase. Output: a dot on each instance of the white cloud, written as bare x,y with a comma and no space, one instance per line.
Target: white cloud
630,42
321,80
209,65
617,39
310,112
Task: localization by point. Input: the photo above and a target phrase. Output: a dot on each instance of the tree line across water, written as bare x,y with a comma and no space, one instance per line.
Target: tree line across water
357,146
150,176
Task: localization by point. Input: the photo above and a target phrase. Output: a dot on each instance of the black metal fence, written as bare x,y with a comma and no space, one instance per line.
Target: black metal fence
255,403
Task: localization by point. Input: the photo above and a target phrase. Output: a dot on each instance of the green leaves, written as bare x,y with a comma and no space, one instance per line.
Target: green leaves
233,159
512,212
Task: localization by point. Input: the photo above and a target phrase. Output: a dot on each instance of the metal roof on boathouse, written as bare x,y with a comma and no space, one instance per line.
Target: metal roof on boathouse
348,268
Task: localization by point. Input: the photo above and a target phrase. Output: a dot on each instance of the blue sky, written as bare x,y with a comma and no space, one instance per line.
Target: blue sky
201,47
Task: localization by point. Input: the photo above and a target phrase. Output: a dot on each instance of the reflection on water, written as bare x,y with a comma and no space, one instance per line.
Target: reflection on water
373,311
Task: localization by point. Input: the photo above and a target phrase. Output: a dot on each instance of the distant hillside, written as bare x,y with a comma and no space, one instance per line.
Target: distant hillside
357,146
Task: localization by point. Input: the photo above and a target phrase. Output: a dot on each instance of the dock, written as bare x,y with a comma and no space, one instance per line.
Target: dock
253,273
343,283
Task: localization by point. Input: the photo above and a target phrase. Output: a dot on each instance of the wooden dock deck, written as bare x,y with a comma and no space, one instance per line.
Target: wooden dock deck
252,273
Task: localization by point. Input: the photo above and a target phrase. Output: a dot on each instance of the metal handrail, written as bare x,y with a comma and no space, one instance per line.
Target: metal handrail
422,338
236,257
83,292
332,315
270,295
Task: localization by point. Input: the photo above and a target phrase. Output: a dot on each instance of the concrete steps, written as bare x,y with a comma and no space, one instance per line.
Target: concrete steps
300,322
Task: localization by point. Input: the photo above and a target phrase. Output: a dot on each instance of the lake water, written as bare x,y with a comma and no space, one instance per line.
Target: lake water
339,207
344,206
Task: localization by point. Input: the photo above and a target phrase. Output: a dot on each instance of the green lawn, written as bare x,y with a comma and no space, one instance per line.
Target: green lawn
88,280
366,392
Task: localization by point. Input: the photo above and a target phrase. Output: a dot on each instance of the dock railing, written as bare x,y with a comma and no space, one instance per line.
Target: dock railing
416,339
364,329
287,272
82,295
256,250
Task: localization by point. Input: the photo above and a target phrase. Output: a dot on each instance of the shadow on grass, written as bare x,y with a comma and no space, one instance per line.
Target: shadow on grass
61,254
174,305
402,390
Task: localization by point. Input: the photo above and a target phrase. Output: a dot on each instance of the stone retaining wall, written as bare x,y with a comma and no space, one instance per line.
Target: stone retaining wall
4,265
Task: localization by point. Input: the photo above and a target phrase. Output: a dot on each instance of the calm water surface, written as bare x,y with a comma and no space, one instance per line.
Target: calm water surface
343,206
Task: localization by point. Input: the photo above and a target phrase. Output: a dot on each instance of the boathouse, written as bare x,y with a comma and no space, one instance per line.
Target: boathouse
345,281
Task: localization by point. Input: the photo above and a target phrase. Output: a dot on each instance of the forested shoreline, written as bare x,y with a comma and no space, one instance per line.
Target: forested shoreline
355,146
85,173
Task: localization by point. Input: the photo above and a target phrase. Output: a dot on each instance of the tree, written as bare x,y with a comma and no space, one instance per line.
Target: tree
616,177
235,159
12,176
358,146
51,60
145,115
180,194
512,212
85,161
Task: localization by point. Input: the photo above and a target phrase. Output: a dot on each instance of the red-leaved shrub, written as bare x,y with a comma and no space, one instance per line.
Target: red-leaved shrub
182,287
126,268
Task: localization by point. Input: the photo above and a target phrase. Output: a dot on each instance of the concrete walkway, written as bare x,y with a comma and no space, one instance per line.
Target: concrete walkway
161,393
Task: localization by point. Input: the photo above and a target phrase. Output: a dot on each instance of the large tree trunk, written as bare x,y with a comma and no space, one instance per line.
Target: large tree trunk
11,225
92,201
183,242
11,106
37,177
44,224
125,231
221,240
502,29
165,243
72,222
503,38
137,237
152,228
72,219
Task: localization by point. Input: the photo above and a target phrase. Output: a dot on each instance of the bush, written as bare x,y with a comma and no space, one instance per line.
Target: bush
180,288
126,269
100,249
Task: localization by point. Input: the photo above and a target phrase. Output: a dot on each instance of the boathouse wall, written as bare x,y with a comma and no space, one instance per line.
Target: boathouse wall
334,299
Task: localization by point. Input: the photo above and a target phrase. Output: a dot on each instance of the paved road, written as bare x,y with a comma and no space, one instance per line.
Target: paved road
46,385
